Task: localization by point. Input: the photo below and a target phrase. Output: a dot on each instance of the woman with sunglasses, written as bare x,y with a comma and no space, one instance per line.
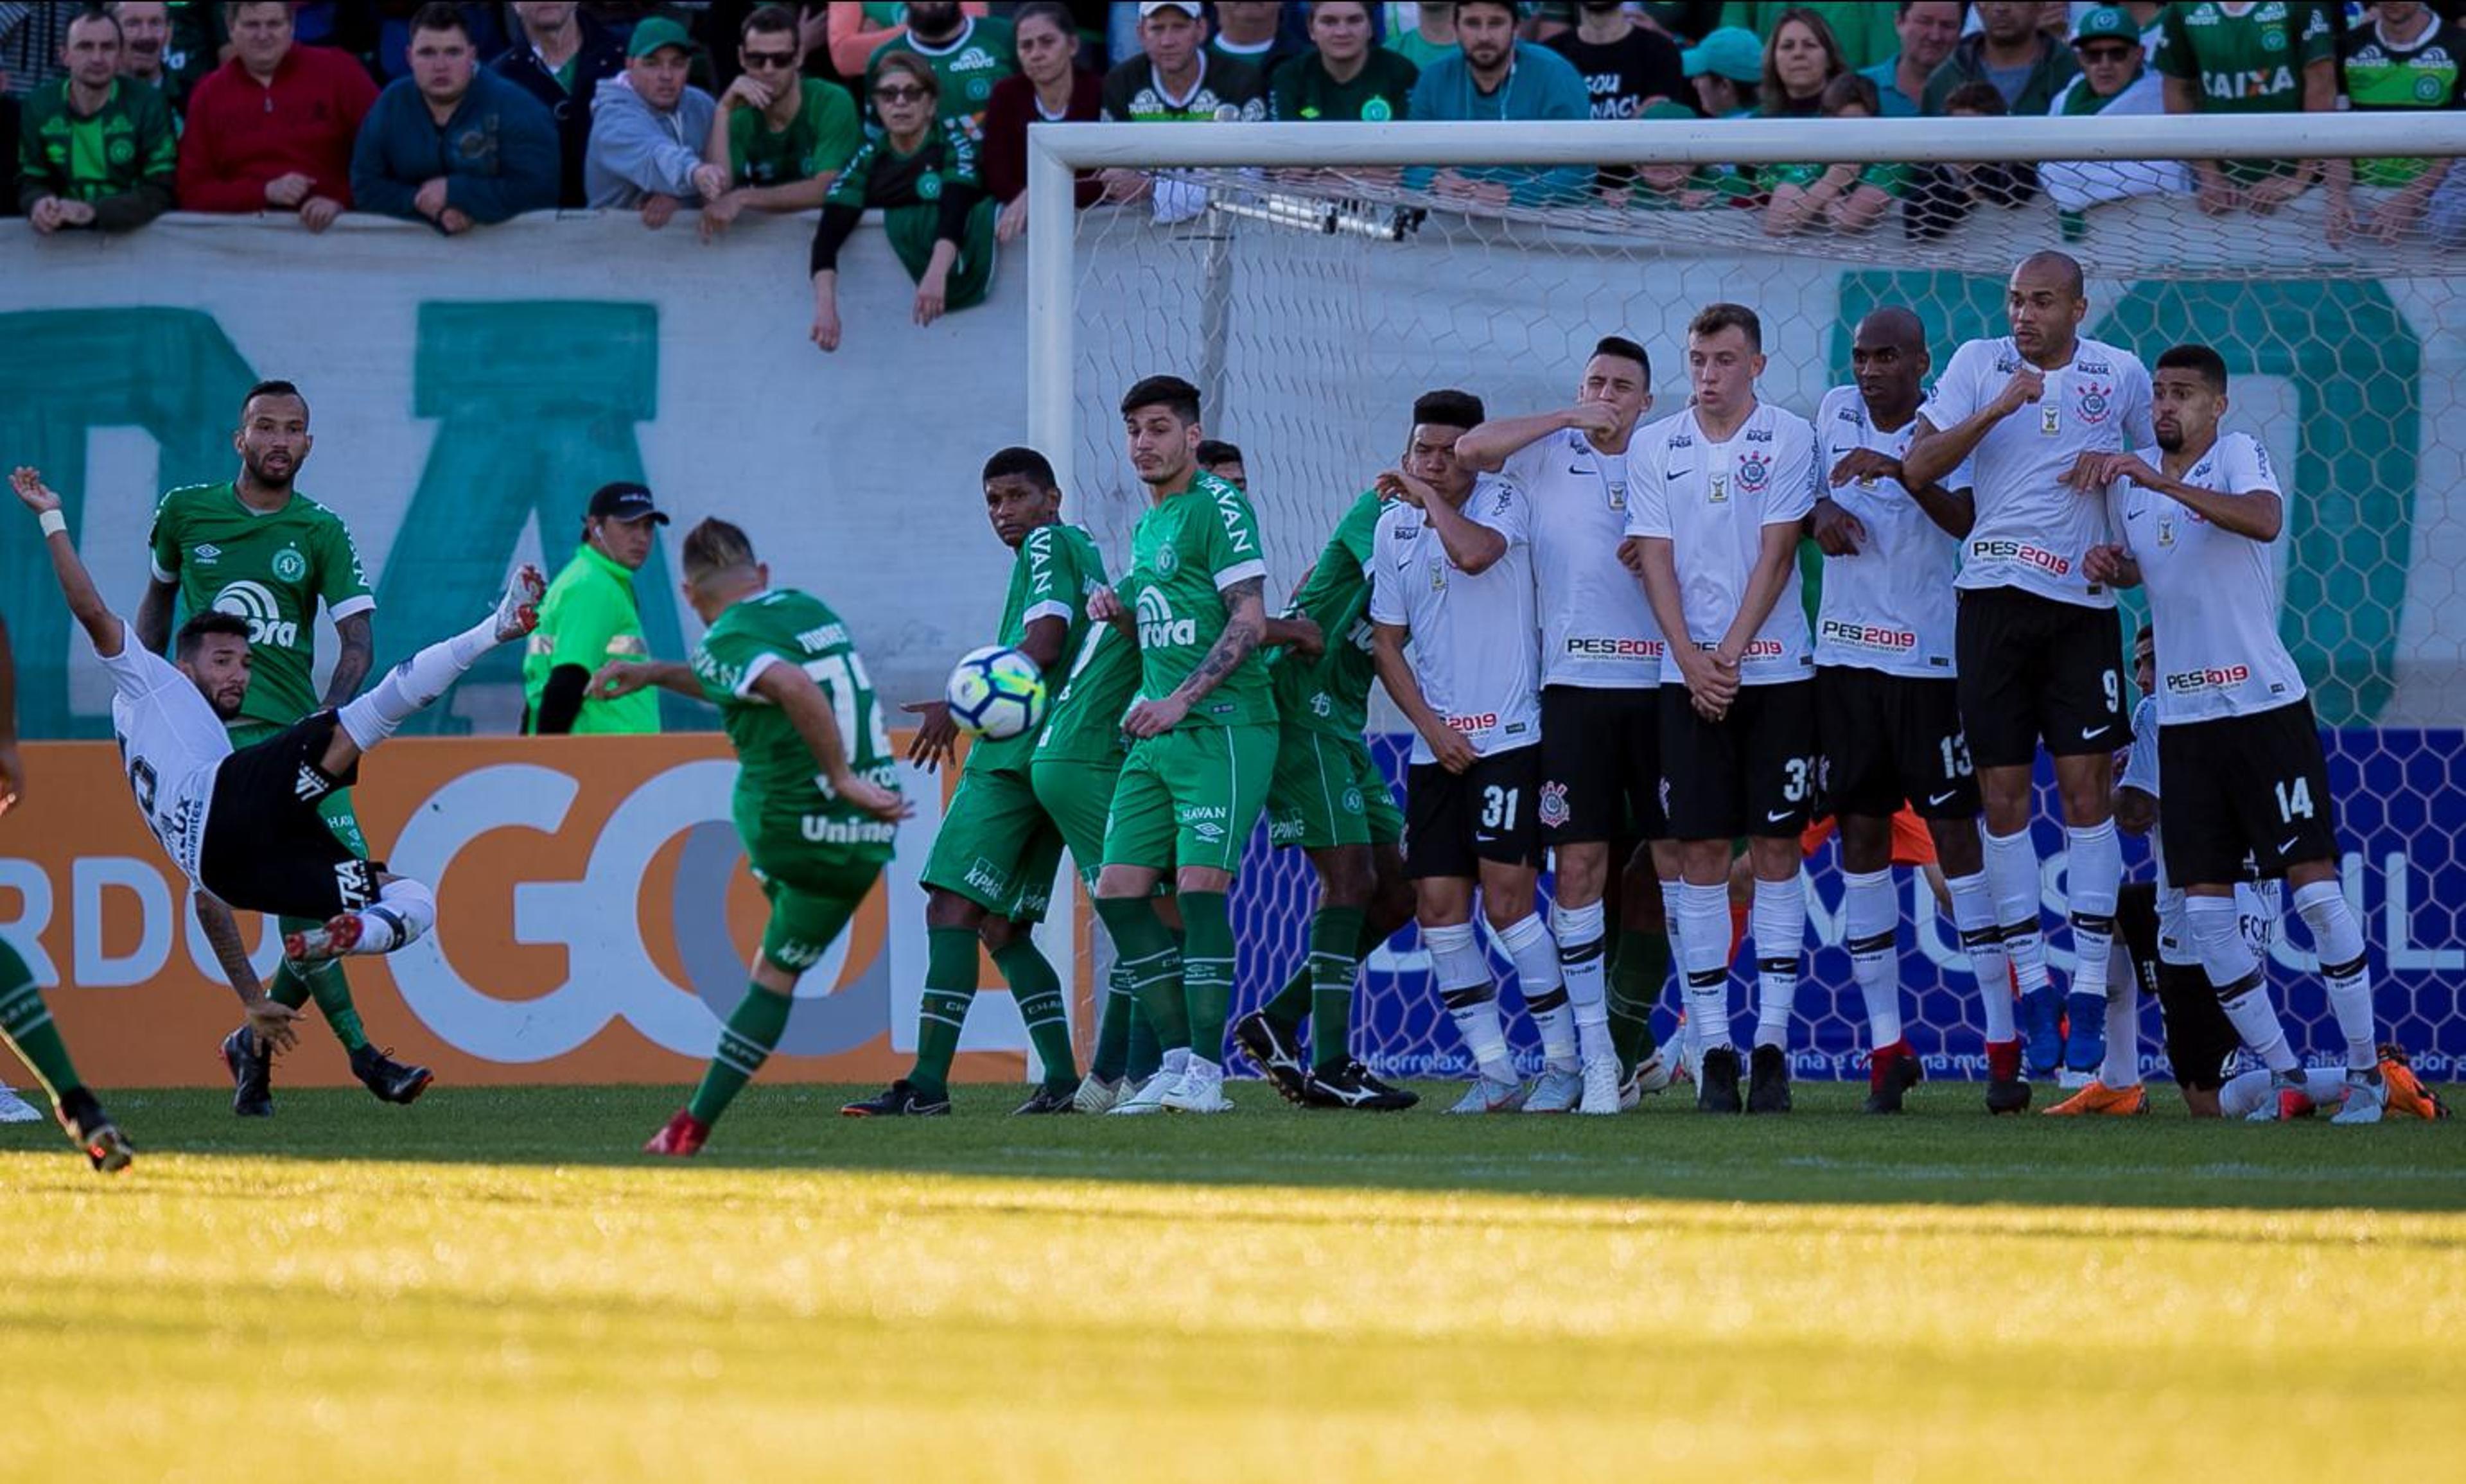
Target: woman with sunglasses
935,209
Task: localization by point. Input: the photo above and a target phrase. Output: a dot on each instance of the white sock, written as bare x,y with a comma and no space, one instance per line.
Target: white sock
2246,1095
415,685
2094,873
1779,924
2012,866
1689,1050
1535,956
1471,998
1705,911
1973,912
402,914
1578,931
1175,1061
2337,940
2122,1068
1869,917
2243,993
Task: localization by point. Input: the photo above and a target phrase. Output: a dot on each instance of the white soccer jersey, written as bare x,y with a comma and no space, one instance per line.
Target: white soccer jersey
2256,907
1473,647
1597,630
1711,502
2212,594
2032,529
1889,607
171,743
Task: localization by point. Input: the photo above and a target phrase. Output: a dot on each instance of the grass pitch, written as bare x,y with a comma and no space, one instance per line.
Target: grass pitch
492,1285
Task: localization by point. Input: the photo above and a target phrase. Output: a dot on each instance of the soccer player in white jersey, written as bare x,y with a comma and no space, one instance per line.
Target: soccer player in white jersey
2038,642
1715,498
1451,575
2197,516
1888,711
1600,682
243,825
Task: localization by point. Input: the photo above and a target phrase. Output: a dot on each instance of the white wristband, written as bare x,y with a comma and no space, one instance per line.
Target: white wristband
54,523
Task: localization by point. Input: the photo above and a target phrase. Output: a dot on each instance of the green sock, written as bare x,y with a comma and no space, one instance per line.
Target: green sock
1038,990
26,1024
1112,1052
1145,1056
1638,968
1288,1006
1146,948
1207,971
331,989
1335,958
949,987
745,1043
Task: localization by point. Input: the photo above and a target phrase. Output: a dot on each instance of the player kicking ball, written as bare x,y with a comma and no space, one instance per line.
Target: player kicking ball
243,825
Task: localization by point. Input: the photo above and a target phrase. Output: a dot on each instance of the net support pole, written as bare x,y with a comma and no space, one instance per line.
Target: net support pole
1052,234
1214,318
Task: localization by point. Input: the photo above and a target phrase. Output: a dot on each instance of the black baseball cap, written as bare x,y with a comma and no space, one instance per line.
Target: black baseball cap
624,501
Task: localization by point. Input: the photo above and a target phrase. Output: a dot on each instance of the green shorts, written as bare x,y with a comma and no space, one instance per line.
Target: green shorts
997,846
1189,798
335,808
1328,791
813,885
1077,796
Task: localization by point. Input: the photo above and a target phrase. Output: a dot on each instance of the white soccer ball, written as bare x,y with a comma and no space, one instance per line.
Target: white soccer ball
996,692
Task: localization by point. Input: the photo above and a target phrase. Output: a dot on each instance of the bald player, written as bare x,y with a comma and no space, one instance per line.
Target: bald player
2038,648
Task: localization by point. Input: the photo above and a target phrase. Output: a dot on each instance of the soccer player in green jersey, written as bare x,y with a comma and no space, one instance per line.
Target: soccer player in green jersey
1203,741
817,802
254,545
1329,797
25,1023
990,876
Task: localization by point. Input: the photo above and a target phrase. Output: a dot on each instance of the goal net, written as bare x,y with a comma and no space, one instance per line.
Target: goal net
1314,280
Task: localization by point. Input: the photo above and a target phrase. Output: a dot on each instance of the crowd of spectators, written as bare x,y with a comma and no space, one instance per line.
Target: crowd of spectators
460,115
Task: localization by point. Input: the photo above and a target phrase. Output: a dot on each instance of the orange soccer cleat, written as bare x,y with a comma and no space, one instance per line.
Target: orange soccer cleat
2408,1096
2098,1098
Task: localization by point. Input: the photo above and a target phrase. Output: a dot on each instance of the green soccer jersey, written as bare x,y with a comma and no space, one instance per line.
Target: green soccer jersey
589,618
981,56
2251,62
128,141
2383,75
271,568
821,139
1050,577
1331,693
1083,722
1184,552
777,776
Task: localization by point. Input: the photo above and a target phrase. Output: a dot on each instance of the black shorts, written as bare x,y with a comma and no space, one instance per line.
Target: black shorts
1601,765
267,848
1889,740
2257,784
1453,821
1751,773
2199,1036
2030,668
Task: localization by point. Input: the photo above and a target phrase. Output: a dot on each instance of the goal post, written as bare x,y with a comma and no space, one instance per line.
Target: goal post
1313,282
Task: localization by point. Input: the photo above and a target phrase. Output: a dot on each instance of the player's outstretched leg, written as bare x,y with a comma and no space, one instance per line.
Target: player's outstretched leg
415,685
402,914
26,1024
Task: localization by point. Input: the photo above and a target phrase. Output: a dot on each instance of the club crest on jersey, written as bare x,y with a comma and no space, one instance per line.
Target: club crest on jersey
289,565
1755,472
1166,560
1438,575
2096,401
1553,804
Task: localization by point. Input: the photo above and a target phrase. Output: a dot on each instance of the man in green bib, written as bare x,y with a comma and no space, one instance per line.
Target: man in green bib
591,619
254,547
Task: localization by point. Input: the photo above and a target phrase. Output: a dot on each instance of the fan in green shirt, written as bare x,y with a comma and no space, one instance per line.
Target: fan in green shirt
970,54
817,802
2276,56
2406,56
1343,77
94,150
784,138
590,618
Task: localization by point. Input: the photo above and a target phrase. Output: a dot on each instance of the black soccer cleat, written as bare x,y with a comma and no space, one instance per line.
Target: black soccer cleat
1047,1100
1768,1081
94,1133
1717,1085
1259,1039
1348,1085
899,1100
1902,1074
389,1080
2008,1095
252,1074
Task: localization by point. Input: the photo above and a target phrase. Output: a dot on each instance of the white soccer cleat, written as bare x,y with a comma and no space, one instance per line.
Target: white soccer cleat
2366,1098
518,610
17,1110
1200,1090
1557,1090
1604,1091
1486,1096
1149,1098
1097,1095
